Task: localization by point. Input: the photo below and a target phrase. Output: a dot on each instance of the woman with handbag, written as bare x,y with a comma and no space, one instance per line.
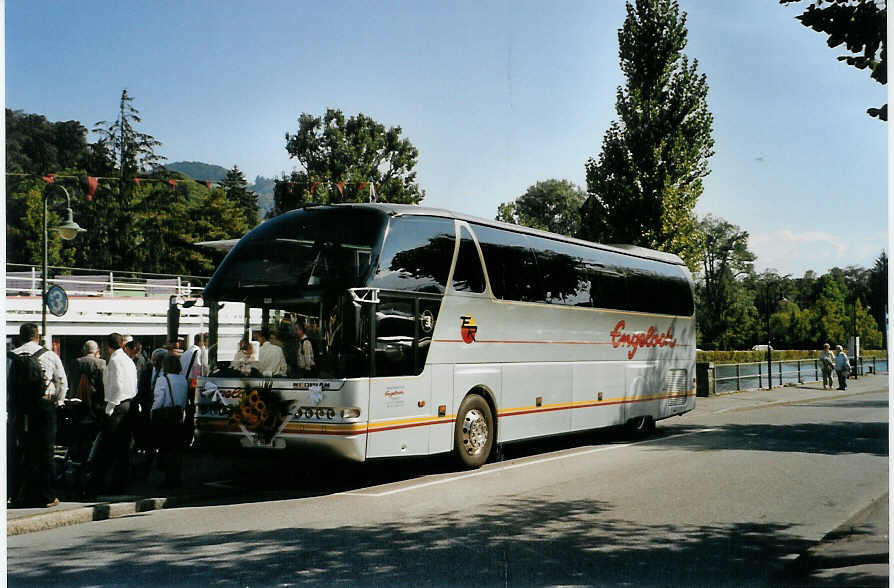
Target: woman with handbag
168,418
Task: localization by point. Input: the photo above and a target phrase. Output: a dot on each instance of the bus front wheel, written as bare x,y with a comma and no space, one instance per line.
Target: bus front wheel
473,436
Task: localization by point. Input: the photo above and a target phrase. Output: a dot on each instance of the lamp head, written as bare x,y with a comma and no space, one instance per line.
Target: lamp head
69,229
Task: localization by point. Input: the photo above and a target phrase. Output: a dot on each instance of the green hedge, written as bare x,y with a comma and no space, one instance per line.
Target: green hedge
777,355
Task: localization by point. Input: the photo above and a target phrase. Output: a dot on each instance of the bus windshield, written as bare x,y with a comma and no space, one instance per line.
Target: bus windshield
299,254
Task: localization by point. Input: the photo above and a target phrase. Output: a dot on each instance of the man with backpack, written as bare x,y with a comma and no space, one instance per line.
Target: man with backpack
37,386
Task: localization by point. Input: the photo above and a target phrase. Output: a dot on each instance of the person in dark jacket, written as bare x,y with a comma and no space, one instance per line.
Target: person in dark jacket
88,377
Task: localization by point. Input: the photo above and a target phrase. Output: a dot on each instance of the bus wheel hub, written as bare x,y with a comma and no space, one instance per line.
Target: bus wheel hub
474,432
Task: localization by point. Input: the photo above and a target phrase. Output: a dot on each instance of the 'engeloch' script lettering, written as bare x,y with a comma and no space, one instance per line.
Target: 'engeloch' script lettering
650,338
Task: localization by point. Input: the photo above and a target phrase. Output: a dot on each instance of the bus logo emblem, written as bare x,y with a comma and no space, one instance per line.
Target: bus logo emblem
468,328
427,321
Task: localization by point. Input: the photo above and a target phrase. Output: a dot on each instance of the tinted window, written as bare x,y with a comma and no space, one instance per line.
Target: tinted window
510,264
403,335
563,271
416,255
631,283
300,252
468,275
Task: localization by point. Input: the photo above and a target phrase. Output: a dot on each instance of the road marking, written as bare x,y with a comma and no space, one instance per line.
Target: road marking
520,465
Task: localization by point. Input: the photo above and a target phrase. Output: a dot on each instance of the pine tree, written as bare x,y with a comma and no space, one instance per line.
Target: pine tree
134,153
236,188
645,184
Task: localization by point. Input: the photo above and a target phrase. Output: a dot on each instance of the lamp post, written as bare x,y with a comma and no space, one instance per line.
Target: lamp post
768,286
68,231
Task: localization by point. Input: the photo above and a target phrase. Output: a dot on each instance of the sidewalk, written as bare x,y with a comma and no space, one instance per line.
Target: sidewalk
143,494
199,469
788,394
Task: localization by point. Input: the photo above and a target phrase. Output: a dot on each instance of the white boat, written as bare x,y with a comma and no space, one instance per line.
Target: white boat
103,302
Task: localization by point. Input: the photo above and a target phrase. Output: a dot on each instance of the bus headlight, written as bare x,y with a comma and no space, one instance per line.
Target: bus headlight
350,413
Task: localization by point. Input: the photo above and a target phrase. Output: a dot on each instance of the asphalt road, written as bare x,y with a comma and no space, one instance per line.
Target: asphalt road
726,495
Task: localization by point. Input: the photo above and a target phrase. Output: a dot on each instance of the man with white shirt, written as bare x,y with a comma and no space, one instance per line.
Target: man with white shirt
194,358
120,386
40,437
271,359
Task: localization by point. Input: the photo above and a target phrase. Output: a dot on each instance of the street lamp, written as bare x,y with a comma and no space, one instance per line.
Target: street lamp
68,231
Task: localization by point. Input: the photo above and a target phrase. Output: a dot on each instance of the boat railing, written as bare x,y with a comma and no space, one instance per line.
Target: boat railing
26,280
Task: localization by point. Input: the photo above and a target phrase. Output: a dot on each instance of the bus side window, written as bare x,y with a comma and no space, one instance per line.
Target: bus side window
468,275
416,255
564,275
510,264
608,289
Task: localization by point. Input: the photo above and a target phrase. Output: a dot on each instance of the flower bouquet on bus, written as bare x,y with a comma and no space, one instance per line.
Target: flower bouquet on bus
260,412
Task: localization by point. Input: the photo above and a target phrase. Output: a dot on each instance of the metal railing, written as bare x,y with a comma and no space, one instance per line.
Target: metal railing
25,280
733,377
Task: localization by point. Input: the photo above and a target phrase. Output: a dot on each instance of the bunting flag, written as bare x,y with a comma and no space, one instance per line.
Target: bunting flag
92,184
373,197
341,189
173,184
49,178
136,181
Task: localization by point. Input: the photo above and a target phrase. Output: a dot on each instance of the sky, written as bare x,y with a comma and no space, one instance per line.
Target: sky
495,95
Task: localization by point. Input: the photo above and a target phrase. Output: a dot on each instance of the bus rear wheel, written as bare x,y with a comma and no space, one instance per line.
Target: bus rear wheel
473,436
641,427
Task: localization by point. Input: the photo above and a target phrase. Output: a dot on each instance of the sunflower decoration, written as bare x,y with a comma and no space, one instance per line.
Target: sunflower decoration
259,411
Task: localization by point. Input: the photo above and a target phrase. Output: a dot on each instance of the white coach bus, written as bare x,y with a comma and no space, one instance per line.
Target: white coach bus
437,332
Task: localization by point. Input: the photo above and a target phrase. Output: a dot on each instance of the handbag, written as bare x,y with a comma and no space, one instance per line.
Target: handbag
173,415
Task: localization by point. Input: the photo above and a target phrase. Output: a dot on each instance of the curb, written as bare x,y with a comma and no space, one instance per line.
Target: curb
873,551
98,512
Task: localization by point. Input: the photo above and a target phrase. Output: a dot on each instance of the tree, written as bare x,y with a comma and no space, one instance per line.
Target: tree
36,145
878,294
789,326
550,205
861,25
134,151
168,221
352,151
645,184
236,188
830,318
725,258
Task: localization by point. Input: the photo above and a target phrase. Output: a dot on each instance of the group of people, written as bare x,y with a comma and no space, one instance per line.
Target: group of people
120,395
280,354
838,362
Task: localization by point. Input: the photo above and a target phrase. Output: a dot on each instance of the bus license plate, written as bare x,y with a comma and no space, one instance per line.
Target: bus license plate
260,443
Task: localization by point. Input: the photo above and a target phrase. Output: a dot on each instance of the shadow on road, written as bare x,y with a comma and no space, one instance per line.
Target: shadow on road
834,438
521,541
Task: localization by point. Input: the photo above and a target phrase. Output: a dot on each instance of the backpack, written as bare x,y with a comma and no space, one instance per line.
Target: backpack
86,389
26,381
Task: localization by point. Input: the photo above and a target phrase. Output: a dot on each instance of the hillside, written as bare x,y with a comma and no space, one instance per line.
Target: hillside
198,170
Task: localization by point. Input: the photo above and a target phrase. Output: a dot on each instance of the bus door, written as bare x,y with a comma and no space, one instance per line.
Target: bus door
400,405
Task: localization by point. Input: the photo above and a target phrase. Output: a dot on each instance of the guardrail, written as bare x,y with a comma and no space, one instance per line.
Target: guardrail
732,377
26,280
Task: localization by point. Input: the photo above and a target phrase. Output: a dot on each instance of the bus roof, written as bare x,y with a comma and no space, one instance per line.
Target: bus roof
410,209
